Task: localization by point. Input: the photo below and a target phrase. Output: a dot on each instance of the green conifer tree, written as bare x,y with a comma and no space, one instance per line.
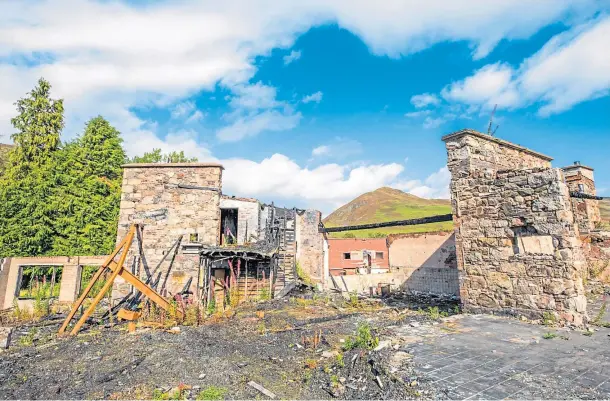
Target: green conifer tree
91,175
27,214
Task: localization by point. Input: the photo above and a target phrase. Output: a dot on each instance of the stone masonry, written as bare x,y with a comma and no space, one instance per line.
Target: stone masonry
517,244
170,200
310,244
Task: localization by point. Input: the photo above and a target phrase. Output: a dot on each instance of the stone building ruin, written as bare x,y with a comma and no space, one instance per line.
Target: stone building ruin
526,237
519,233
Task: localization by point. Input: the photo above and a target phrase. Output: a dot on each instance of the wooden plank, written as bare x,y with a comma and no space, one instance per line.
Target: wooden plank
108,284
147,291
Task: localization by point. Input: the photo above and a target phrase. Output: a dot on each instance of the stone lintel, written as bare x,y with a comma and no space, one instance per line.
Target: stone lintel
577,167
171,165
468,131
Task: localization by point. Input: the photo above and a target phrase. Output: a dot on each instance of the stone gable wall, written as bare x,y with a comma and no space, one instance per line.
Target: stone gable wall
153,197
518,248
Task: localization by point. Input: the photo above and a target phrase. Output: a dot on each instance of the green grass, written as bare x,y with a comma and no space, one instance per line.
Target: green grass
549,336
212,393
604,209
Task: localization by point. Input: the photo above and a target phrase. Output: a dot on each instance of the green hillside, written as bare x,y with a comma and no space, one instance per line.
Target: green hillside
387,204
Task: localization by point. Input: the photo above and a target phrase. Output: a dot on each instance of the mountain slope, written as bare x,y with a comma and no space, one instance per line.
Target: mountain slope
387,204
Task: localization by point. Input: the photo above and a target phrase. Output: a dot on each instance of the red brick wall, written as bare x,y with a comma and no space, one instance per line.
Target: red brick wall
337,247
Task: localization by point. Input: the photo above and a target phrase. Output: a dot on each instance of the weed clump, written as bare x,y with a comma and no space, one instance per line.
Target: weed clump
549,319
549,335
212,393
433,313
364,338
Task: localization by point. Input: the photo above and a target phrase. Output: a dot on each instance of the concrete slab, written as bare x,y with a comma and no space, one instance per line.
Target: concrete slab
489,357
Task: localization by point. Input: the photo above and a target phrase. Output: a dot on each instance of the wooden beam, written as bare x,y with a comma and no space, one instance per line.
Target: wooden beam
108,284
143,288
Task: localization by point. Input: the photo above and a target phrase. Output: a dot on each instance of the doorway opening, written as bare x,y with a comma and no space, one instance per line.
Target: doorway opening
228,226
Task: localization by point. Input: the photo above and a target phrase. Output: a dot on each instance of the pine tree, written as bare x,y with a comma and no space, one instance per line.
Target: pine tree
27,214
38,124
91,175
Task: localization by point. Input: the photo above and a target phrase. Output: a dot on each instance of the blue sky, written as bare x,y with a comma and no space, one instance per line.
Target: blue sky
313,104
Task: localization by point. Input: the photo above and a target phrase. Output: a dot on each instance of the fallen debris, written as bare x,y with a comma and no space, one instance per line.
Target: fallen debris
261,389
5,337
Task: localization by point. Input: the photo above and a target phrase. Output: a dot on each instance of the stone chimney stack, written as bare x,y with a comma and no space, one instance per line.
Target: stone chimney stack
580,178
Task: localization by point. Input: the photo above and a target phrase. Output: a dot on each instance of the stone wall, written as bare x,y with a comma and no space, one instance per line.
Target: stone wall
597,252
170,200
248,215
469,150
436,250
517,245
310,244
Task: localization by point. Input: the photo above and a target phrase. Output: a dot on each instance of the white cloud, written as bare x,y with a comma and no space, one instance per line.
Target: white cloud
424,100
321,150
569,69
255,123
111,57
314,97
280,178
198,115
435,186
431,122
338,148
183,110
255,109
490,85
166,51
293,56
416,114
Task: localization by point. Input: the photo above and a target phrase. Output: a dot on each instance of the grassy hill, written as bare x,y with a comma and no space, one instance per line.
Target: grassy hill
387,204
604,208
